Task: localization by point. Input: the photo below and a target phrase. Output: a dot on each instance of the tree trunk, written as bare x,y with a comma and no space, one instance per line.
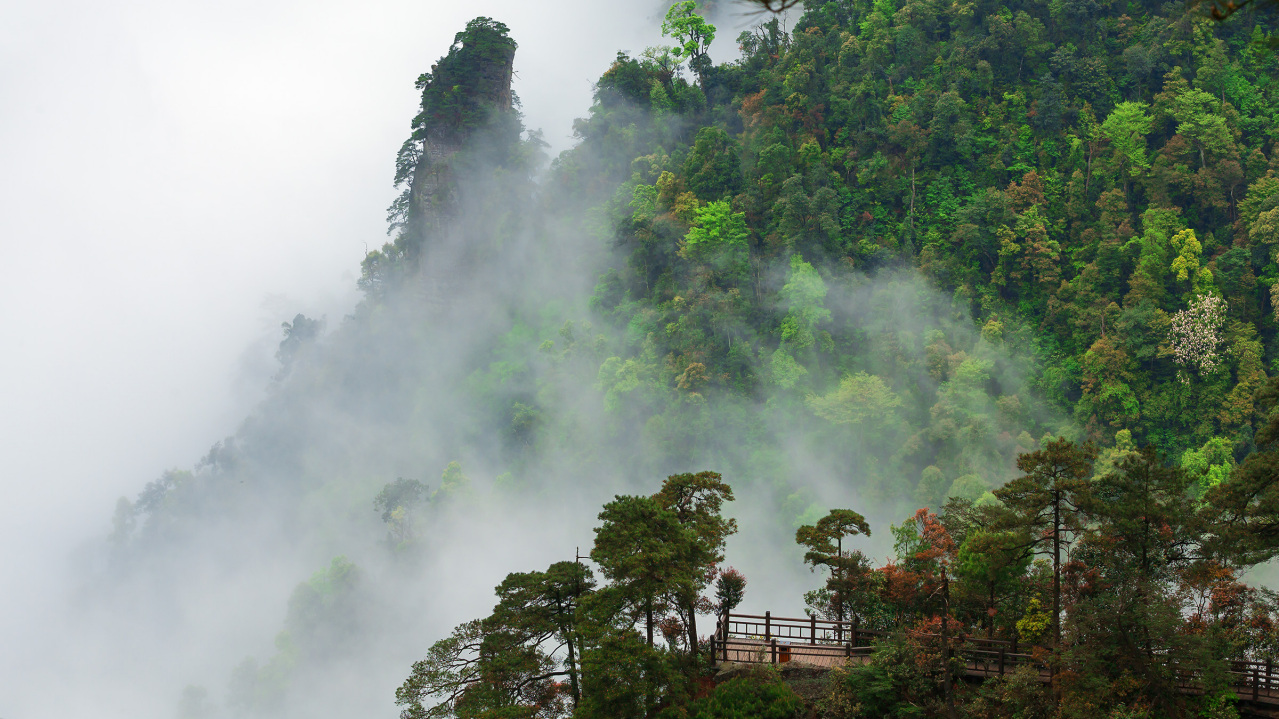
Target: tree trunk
945,641
912,202
572,672
572,660
990,614
692,627
1052,670
1088,170
839,576
648,618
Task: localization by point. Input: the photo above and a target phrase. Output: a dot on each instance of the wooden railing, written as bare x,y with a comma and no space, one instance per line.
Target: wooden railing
1257,681
776,640
764,638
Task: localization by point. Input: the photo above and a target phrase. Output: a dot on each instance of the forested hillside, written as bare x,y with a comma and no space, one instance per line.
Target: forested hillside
1094,183
869,263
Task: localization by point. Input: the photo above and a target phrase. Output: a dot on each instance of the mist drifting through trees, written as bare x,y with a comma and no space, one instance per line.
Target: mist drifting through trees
877,259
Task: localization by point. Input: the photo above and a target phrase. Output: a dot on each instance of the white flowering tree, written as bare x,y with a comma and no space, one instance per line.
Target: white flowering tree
1195,334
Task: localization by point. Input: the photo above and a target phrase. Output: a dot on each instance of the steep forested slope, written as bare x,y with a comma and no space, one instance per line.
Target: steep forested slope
1095,183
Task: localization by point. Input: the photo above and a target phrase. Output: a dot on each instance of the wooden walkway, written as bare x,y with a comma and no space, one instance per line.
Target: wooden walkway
765,639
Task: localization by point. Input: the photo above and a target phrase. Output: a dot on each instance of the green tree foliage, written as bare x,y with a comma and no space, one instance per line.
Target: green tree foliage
1145,591
544,605
715,228
624,676
860,400
457,92
656,551
994,561
450,668
1143,532
1248,502
718,238
730,590
454,484
696,501
507,664
636,545
1127,127
467,125
804,295
899,682
1019,694
1045,501
748,698
398,503
1143,579
849,569
713,167
1043,166
1209,465
693,34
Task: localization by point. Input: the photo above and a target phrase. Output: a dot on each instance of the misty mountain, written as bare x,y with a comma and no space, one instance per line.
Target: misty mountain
868,264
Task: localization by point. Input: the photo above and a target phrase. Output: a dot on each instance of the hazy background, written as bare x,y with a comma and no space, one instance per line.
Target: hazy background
176,179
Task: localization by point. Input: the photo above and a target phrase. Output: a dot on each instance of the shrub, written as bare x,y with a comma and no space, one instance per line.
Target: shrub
748,698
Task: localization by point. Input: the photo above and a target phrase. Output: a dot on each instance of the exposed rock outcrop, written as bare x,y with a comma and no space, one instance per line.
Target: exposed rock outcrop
467,118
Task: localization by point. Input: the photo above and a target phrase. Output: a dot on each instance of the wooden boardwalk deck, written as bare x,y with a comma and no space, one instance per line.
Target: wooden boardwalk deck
765,639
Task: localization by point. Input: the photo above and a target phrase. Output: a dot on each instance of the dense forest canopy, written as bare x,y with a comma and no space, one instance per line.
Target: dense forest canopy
984,259
1094,186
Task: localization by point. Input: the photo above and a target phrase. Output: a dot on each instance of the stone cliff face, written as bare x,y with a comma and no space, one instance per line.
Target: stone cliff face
467,109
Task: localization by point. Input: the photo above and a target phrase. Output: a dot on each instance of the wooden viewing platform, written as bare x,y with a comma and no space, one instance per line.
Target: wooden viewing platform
824,643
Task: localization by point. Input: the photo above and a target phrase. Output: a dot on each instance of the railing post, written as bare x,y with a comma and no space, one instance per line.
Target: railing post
768,626
812,623
1001,661
713,636
1268,684
773,648
856,623
1256,683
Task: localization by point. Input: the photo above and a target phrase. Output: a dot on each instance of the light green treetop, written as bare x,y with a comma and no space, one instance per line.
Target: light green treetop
1211,463
1127,127
859,397
1193,111
690,30
1188,249
454,484
716,226
805,293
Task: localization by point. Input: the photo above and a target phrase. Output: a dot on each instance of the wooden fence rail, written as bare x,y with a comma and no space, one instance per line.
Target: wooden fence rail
766,639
